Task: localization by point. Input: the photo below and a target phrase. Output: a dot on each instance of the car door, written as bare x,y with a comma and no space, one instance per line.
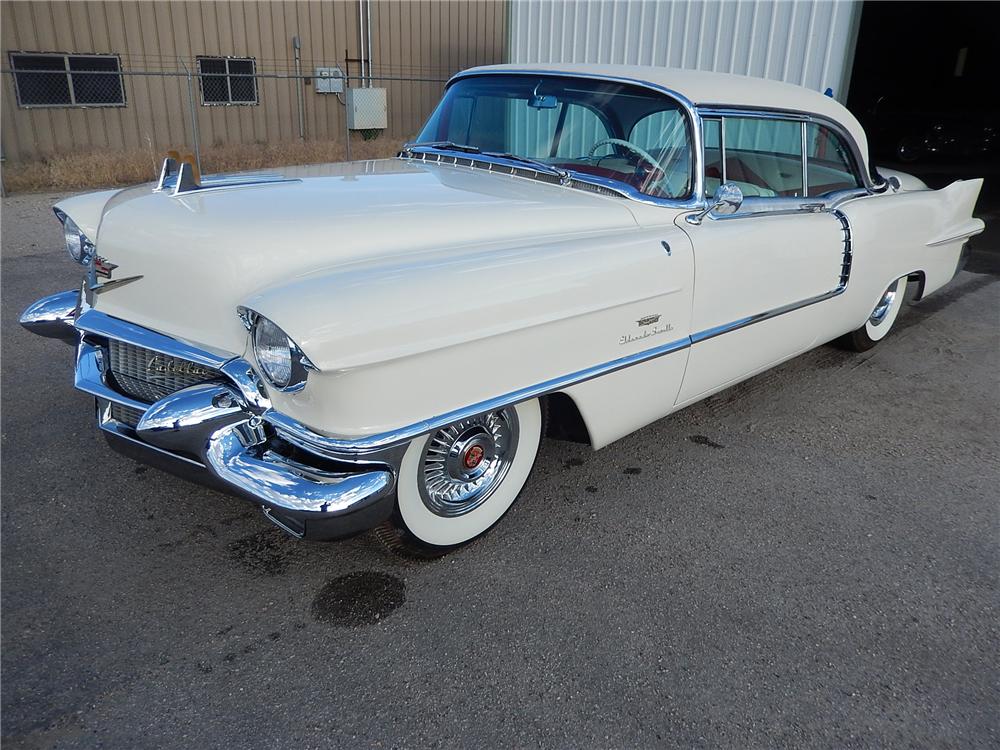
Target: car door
762,273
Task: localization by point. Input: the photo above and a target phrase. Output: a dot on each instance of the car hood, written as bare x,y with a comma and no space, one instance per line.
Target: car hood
201,254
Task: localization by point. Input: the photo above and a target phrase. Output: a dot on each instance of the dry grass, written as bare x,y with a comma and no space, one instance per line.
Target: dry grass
94,169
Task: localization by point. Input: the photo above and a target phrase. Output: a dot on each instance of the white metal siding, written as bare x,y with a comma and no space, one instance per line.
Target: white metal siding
808,42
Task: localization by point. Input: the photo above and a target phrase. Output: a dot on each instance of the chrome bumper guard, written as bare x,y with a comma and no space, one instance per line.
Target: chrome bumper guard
217,433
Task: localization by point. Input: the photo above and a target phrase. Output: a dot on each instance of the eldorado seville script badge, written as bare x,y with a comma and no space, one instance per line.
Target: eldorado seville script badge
651,329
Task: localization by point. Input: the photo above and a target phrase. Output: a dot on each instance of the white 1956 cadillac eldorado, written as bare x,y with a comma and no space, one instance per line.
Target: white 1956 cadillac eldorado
383,344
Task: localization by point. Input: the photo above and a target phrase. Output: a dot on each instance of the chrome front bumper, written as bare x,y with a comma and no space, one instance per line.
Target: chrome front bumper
220,433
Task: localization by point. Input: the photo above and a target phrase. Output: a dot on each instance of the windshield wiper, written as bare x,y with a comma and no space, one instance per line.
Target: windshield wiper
562,174
445,145
541,166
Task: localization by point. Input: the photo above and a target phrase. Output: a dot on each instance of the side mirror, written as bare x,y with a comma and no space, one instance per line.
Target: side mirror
727,200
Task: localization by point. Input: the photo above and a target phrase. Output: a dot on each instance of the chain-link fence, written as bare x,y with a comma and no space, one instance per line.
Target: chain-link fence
215,108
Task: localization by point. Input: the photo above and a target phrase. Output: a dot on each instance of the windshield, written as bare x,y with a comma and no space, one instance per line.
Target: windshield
613,131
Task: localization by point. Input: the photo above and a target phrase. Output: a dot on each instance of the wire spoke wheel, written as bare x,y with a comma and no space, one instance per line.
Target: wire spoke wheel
457,482
464,462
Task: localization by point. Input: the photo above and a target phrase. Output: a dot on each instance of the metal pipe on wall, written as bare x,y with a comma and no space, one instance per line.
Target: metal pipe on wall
361,38
299,94
368,50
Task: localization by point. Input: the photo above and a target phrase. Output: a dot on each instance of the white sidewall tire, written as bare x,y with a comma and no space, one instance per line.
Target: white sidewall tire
879,332
440,531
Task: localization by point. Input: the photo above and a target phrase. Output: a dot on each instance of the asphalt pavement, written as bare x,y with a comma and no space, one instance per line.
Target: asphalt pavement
808,559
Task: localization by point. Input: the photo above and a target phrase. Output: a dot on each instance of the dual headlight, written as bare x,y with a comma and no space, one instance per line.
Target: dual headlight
78,245
280,360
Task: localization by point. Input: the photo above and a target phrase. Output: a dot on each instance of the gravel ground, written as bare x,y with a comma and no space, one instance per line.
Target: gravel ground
808,559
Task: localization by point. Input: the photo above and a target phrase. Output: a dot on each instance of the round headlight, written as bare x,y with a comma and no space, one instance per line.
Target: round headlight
78,246
281,361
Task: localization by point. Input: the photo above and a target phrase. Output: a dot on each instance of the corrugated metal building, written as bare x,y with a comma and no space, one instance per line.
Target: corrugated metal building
152,43
807,42
80,102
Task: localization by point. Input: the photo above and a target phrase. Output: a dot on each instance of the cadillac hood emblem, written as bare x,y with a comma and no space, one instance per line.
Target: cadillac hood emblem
648,320
103,267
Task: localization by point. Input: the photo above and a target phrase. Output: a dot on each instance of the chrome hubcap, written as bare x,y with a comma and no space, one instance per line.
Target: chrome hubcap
885,304
463,463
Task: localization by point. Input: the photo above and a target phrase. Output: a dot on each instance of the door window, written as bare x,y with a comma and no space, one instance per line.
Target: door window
763,156
828,166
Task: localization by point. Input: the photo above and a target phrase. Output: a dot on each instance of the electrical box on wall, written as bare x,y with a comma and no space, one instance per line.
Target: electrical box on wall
366,109
329,81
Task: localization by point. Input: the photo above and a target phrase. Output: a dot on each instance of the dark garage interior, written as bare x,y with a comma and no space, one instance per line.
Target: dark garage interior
924,86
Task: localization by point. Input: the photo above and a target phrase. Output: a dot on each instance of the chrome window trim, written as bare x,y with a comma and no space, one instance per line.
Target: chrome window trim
694,201
782,206
772,113
805,160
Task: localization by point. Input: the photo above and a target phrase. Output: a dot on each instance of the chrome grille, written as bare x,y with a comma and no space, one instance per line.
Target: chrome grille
148,375
126,414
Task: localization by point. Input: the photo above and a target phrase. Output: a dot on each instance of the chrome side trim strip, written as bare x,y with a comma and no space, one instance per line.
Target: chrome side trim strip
99,324
710,333
306,438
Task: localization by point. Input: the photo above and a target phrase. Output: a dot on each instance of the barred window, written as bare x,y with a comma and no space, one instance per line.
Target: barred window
227,80
57,79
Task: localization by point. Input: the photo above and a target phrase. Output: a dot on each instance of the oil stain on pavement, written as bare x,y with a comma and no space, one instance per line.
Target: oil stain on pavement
360,598
704,440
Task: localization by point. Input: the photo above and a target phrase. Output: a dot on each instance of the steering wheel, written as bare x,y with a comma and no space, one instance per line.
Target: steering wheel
630,146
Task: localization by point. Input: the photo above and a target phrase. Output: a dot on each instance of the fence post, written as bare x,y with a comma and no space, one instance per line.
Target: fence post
194,116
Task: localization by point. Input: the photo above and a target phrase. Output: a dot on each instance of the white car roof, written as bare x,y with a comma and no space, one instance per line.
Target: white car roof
705,88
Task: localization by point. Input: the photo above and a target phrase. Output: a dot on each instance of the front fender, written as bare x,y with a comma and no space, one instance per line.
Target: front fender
404,338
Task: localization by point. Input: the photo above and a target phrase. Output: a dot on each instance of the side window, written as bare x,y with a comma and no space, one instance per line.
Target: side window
828,166
763,156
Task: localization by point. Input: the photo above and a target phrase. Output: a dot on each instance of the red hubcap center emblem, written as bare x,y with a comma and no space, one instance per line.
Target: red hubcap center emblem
473,457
